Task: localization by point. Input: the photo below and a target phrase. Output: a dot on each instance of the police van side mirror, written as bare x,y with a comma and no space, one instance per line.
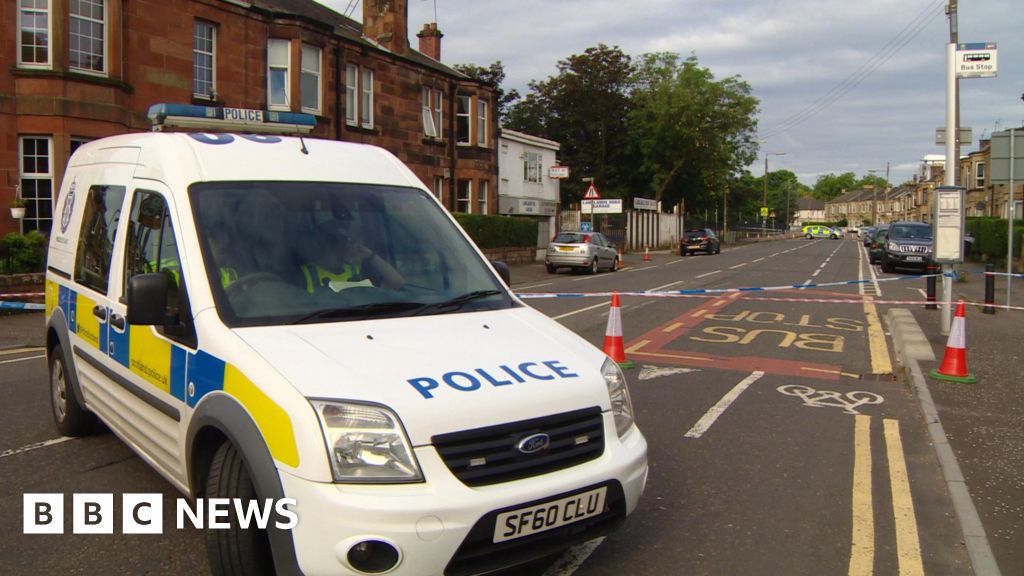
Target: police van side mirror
502,269
147,299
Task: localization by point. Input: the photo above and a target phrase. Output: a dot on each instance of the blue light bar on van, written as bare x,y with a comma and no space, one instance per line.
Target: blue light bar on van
216,118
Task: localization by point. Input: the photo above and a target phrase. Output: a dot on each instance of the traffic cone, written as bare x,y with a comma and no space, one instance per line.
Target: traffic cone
619,262
613,346
954,361
647,253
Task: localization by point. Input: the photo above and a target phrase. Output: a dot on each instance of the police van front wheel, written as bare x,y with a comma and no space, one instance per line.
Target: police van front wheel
235,551
68,414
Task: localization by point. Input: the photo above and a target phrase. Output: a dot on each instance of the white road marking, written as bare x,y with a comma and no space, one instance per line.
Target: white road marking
738,266
567,314
715,411
19,351
659,288
757,260
708,273
35,446
816,272
22,359
573,558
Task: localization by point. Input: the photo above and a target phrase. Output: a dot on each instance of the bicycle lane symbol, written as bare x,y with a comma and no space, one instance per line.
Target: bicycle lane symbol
849,401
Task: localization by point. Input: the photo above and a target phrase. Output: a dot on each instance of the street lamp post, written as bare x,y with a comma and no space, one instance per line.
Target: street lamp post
874,194
764,200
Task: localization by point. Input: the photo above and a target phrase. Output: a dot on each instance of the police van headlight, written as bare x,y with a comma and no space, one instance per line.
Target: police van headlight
618,393
366,444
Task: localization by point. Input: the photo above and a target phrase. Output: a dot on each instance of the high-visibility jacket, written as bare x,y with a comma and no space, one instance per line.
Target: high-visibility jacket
318,276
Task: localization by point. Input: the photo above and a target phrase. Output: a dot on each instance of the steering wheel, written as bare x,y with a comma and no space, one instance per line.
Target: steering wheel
245,282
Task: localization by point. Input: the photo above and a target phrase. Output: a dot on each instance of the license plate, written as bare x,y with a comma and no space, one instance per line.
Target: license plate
565,248
549,515
693,246
915,259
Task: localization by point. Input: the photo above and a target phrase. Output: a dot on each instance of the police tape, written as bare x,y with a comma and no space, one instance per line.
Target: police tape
4,305
701,291
1004,274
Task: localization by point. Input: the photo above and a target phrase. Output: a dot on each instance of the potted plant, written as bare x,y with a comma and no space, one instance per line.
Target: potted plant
18,208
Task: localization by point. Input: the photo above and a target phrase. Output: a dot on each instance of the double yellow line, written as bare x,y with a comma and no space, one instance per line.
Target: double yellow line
862,548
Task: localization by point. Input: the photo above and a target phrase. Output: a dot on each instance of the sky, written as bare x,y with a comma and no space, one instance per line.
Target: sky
844,86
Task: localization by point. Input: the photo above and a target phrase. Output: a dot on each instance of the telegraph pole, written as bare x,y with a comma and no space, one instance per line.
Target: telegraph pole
952,152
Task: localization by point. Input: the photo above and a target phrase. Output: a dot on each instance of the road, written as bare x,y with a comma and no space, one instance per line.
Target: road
781,440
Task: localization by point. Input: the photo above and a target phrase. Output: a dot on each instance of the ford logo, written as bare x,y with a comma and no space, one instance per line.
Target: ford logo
534,443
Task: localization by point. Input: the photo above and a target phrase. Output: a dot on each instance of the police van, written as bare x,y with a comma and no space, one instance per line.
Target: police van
265,317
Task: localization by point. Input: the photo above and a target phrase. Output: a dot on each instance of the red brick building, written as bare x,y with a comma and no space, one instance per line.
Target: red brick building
76,70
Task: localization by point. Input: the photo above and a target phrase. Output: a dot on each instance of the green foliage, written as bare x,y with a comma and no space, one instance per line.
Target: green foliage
489,231
830,186
21,253
990,236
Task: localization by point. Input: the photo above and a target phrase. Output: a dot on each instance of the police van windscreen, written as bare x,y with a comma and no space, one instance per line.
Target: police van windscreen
297,252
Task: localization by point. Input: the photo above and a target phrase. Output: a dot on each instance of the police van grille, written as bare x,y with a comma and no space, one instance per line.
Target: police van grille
489,455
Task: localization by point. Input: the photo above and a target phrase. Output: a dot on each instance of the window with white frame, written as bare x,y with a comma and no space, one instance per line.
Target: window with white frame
204,78
481,197
36,183
366,98
462,117
351,94
309,81
429,126
463,193
481,122
438,186
87,42
532,166
34,33
278,56
979,175
438,112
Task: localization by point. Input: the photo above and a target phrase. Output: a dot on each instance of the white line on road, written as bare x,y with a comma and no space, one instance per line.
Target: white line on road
567,314
22,359
816,272
533,286
573,558
711,415
10,351
738,266
708,273
757,260
658,288
35,446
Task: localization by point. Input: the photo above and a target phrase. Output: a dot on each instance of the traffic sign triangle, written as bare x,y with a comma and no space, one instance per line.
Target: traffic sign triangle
591,193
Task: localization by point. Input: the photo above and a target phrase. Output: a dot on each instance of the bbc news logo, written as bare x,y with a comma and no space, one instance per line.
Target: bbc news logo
144,513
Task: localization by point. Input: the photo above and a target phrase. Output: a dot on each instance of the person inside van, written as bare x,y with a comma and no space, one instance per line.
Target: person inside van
220,247
342,262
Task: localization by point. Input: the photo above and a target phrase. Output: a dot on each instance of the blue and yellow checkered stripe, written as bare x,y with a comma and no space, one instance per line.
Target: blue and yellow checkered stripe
174,370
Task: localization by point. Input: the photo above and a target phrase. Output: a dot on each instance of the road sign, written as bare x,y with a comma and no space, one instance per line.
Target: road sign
645,204
966,135
585,227
591,193
603,206
977,60
764,211
558,172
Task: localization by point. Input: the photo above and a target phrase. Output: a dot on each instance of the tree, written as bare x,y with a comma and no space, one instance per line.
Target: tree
492,76
830,186
693,132
584,108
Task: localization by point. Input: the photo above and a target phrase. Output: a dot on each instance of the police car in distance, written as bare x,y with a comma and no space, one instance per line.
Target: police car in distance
272,317
817,231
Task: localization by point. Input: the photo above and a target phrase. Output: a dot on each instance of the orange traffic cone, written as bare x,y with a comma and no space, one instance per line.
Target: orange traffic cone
647,253
954,361
613,345
619,262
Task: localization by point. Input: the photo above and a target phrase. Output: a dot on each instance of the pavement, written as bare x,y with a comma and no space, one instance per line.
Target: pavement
977,429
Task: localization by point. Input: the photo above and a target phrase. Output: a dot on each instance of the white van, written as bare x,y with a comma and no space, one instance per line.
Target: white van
300,320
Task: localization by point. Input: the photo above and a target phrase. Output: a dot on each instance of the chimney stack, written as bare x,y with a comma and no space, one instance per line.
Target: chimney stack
430,40
386,22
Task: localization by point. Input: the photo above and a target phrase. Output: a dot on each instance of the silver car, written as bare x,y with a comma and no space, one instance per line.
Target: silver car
588,251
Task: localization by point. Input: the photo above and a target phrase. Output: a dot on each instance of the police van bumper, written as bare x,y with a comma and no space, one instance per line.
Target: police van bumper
442,526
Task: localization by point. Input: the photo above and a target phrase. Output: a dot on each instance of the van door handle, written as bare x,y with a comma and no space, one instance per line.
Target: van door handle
100,312
117,321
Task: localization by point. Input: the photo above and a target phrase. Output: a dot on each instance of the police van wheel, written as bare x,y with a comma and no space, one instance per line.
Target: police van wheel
235,551
68,414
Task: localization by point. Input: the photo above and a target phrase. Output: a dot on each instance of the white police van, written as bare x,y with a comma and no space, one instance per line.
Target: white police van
272,317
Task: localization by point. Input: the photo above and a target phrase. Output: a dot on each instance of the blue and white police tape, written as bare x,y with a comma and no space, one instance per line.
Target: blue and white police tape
1004,274
703,291
5,305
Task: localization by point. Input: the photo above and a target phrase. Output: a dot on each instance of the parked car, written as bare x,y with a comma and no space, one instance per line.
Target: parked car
816,231
586,251
877,243
866,234
908,245
699,240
